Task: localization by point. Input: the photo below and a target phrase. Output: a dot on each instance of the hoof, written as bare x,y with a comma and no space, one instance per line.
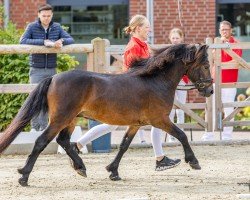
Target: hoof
195,166
81,172
23,182
115,178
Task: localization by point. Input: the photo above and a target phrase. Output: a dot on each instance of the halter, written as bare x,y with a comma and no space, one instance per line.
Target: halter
200,84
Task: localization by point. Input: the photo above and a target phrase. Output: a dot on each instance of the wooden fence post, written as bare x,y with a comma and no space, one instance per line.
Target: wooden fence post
107,44
90,62
209,100
217,88
99,55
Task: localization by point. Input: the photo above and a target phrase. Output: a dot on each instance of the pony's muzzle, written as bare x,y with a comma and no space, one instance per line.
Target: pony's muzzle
209,91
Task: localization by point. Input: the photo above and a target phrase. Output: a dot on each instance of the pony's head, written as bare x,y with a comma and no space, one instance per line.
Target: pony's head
198,69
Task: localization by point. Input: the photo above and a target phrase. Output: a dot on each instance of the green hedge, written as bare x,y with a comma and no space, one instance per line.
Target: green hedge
15,69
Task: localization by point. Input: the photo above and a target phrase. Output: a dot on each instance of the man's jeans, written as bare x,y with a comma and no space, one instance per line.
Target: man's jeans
36,75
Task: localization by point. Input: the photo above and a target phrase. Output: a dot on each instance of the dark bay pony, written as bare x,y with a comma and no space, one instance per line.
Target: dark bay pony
142,96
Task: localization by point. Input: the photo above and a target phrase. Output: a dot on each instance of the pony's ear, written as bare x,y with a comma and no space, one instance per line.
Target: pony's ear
201,49
193,51
189,55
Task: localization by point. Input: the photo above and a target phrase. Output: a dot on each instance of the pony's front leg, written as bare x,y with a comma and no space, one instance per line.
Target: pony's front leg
127,139
40,144
189,154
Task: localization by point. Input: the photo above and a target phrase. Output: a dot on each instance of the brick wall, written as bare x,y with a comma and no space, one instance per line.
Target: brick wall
24,11
198,19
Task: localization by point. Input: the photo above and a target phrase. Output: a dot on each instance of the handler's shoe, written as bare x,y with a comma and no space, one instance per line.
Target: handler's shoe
166,163
172,139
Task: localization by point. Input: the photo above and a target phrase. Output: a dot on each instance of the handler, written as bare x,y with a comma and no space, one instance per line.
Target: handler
136,49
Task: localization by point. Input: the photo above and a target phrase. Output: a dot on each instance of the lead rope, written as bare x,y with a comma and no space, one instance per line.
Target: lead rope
180,12
191,87
179,3
183,87
191,130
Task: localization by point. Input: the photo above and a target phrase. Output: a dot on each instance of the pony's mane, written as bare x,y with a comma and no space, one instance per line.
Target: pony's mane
163,58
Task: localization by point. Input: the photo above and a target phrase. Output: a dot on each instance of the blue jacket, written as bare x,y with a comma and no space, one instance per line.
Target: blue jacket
35,34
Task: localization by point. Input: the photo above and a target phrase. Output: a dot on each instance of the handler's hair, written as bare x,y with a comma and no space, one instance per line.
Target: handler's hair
136,20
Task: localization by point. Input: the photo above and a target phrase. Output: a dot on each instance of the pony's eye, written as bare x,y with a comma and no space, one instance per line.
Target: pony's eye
206,66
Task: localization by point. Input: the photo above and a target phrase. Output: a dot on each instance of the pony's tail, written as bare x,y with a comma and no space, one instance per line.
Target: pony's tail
33,105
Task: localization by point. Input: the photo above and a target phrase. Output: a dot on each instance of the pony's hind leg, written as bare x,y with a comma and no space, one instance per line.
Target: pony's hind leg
127,139
63,140
40,144
189,154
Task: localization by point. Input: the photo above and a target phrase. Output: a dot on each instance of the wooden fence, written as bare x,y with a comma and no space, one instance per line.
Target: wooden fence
239,63
98,60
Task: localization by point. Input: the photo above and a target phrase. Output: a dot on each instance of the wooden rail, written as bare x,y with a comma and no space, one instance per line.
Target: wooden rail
16,88
99,51
27,49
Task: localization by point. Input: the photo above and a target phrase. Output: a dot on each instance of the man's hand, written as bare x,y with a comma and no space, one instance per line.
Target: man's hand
224,39
58,44
49,43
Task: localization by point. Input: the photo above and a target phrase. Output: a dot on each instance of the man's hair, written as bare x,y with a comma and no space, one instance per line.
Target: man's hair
226,23
44,7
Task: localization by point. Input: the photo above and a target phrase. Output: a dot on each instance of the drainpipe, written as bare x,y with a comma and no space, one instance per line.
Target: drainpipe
6,12
150,16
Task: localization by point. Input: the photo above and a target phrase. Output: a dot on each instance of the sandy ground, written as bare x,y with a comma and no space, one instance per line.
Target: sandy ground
224,168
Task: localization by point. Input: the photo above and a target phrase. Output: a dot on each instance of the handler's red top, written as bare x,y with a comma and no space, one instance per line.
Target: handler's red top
185,79
229,75
137,49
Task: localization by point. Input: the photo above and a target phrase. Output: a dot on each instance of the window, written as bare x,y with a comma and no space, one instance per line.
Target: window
88,22
88,19
238,14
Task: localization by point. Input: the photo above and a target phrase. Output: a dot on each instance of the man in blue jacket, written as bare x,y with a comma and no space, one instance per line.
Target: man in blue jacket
44,32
